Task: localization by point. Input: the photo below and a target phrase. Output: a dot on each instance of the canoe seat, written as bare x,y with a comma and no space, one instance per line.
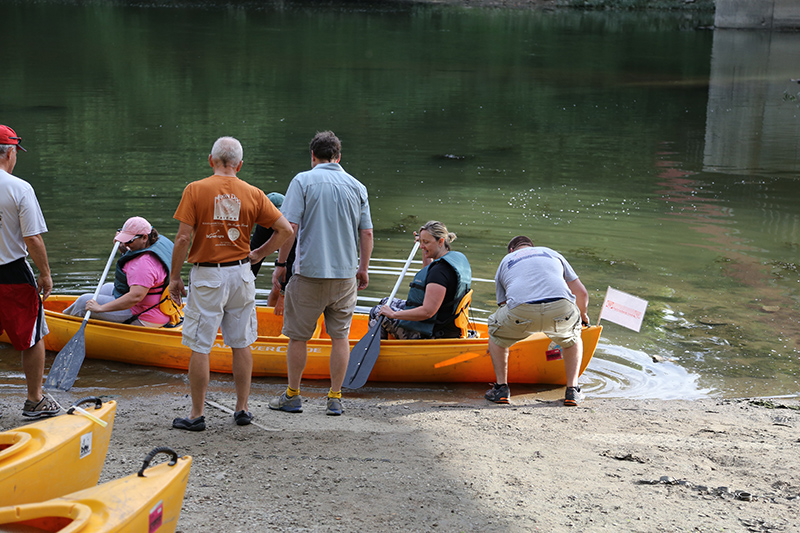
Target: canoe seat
462,315
320,328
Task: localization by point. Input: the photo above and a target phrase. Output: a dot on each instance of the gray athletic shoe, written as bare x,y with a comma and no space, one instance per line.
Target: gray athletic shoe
334,407
45,407
498,393
573,396
284,403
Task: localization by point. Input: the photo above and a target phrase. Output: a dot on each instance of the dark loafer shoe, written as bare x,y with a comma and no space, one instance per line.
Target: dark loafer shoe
243,418
190,424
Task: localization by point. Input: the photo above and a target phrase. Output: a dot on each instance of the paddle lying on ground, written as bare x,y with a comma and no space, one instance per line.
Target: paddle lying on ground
68,362
365,352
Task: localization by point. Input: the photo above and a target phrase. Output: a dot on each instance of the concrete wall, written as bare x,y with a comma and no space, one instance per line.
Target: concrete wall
758,14
750,123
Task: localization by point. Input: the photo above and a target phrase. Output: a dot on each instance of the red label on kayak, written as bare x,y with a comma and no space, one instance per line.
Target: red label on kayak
156,516
553,355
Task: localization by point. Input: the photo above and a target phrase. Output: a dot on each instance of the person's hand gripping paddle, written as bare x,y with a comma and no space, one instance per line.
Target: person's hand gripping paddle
366,351
67,364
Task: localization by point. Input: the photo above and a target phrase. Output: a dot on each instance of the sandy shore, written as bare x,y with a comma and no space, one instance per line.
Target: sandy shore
403,464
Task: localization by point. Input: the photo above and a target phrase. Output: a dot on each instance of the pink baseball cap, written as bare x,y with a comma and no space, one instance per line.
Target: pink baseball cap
9,136
134,227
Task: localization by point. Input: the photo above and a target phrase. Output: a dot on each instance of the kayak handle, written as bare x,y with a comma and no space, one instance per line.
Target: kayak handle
156,451
98,403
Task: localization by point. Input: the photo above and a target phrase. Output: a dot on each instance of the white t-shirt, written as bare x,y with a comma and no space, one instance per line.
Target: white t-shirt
20,216
533,273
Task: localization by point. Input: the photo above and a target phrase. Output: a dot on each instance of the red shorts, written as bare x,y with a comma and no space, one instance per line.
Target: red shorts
22,313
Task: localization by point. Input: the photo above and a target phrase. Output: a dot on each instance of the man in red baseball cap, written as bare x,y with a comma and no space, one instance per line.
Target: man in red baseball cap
22,312
10,137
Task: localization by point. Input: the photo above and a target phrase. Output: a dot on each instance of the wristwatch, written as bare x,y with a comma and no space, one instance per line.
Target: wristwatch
279,264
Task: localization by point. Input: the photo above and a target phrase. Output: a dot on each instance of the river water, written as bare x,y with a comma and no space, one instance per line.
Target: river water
659,157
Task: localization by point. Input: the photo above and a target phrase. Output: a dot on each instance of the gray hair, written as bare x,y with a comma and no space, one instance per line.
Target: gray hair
5,149
439,231
227,151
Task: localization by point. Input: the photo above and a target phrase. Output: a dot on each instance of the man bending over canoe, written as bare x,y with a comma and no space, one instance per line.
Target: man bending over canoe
537,290
216,216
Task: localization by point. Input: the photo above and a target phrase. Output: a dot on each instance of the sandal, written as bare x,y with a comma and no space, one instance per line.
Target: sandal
190,424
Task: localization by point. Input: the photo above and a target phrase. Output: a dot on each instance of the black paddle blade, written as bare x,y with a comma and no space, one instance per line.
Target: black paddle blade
68,362
363,357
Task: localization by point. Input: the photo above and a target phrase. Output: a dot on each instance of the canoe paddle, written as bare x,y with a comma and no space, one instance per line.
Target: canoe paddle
366,351
67,364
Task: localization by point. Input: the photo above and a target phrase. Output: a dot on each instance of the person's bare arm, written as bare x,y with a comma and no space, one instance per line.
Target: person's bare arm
279,274
434,296
135,295
282,231
183,240
365,244
38,253
581,298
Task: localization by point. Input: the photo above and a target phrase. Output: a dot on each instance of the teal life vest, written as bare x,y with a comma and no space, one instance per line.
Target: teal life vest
416,294
162,249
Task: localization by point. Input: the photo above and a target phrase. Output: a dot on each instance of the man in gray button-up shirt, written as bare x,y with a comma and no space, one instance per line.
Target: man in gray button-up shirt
329,212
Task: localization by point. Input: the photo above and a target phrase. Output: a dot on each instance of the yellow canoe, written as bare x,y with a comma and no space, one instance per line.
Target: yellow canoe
442,360
149,501
56,456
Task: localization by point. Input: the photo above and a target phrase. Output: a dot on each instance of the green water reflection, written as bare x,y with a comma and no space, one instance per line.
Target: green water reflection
590,132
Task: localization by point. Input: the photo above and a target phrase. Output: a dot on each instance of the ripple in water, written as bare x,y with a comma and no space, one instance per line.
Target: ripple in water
618,372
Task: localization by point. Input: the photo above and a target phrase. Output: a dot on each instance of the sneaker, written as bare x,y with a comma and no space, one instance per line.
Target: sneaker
45,407
243,418
284,403
190,424
573,396
334,407
498,393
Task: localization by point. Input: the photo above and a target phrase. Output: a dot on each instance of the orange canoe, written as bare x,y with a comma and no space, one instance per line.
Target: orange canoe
442,360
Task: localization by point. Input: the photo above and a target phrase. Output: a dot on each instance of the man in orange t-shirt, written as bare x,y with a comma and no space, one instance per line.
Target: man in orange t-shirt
216,216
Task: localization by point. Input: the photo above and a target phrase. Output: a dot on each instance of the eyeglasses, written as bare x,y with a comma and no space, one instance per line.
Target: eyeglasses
134,238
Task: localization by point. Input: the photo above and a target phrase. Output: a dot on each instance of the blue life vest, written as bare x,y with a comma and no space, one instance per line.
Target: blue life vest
416,294
162,249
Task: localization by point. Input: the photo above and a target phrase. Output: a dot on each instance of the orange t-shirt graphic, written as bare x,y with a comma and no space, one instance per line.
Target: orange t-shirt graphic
223,210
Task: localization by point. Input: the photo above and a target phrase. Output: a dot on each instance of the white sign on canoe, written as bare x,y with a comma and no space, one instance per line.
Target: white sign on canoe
623,309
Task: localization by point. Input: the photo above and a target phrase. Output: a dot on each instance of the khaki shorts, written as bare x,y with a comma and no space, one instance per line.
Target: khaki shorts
559,320
220,297
308,298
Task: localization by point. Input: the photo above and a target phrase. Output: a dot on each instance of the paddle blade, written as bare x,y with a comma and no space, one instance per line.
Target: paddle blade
363,357
68,362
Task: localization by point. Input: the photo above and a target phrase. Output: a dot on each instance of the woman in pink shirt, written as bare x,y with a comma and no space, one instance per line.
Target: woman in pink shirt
141,276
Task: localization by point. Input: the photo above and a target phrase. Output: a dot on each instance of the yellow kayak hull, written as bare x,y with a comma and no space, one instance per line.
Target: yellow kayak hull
442,360
55,456
151,504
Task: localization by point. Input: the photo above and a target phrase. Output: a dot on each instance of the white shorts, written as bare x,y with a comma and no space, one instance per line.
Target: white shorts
220,297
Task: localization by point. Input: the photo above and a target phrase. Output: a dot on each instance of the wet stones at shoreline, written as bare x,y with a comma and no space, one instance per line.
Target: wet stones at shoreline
722,492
